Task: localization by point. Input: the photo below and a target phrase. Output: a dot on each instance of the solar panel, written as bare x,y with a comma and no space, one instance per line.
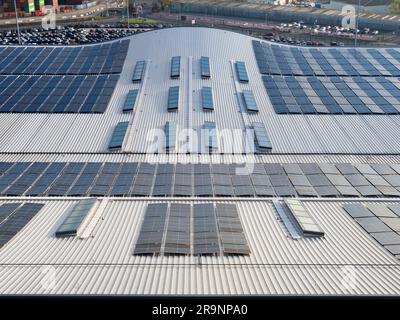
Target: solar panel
381,210
139,71
130,101
349,191
102,179
305,221
210,135
386,238
151,233
260,180
207,99
173,98
72,223
146,168
249,100
221,179
241,71
17,220
202,180
261,138
205,67
183,180
357,210
118,136
230,230
203,191
56,94
177,240
163,185
205,232
170,135
373,224
223,191
175,67
7,209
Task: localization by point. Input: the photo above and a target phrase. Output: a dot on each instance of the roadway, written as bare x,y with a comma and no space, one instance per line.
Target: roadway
75,15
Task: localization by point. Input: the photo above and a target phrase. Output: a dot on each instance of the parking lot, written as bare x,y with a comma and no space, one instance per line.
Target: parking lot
68,35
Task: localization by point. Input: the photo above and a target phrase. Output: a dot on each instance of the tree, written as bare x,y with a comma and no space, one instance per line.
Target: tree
165,3
394,7
156,8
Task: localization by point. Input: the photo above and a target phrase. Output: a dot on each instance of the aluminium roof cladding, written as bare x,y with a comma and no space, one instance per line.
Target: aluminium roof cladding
79,193
348,132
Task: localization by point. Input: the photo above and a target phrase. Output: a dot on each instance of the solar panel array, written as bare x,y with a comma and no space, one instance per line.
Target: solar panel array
14,217
202,180
285,60
333,81
56,94
381,221
61,79
333,95
74,220
80,60
201,229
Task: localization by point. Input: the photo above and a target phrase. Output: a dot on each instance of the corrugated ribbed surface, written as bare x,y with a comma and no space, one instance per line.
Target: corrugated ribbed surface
366,134
277,265
180,158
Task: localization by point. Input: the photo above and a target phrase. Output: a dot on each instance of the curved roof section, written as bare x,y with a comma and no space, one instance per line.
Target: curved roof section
100,259
289,134
278,265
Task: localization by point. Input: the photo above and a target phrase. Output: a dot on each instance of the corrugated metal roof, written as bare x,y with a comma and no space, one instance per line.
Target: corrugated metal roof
325,133
278,264
103,262
90,133
195,159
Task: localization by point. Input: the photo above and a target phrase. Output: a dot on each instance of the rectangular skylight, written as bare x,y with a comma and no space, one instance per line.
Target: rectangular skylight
211,141
130,100
261,138
72,223
205,67
207,98
170,135
173,98
249,100
118,136
241,71
306,222
139,71
175,67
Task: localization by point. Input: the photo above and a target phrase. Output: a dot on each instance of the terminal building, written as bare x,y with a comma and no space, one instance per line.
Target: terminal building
25,7
104,190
